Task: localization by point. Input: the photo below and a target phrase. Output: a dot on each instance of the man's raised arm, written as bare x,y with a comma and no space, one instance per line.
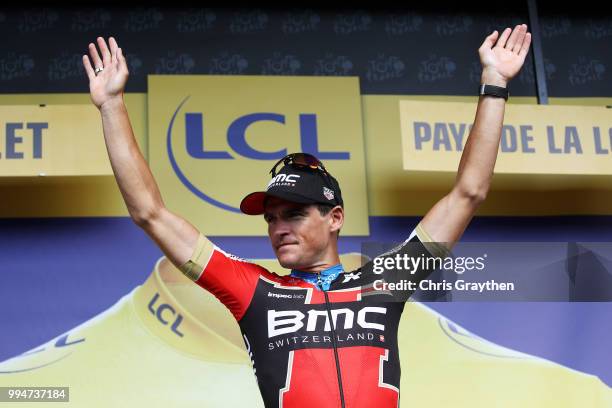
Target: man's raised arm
502,58
108,75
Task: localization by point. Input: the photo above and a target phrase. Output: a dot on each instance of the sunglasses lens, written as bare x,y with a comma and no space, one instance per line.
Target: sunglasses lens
304,159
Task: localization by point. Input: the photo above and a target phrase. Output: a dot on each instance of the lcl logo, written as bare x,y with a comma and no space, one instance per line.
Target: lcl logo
170,314
195,137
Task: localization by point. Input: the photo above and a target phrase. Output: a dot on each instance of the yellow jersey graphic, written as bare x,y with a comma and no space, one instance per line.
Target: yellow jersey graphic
169,343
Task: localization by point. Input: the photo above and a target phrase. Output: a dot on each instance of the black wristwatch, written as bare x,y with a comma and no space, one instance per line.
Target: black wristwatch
493,90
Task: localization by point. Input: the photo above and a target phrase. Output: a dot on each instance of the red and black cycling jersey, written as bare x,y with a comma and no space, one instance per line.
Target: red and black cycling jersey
299,357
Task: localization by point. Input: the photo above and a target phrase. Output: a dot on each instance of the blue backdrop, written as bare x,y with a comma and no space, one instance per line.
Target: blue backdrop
57,273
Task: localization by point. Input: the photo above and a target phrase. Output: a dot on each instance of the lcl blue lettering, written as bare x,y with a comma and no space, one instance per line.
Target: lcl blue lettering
310,139
236,138
158,314
12,140
160,309
194,139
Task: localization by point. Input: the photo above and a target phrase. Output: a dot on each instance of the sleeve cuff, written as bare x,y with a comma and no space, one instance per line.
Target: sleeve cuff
194,267
436,249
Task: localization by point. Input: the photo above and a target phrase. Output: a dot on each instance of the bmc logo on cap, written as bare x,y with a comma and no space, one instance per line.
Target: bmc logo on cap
283,180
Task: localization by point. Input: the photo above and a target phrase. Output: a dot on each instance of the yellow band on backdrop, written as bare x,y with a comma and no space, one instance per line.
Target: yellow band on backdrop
51,140
540,139
390,190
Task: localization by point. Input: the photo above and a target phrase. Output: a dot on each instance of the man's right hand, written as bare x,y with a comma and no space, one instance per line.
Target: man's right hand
108,84
175,236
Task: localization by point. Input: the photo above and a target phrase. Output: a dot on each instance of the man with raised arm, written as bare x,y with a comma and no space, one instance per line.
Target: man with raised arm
313,340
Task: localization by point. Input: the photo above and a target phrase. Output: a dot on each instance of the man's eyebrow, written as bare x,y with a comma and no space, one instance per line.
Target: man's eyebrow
295,210
301,210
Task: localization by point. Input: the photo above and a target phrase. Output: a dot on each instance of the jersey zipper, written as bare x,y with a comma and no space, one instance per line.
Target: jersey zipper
334,345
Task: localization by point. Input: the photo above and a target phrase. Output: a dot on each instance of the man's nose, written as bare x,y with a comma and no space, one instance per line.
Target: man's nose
279,228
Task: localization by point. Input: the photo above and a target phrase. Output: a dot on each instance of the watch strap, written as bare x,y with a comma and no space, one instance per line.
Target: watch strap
493,90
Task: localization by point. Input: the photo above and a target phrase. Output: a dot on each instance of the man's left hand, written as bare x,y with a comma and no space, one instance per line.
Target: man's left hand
503,57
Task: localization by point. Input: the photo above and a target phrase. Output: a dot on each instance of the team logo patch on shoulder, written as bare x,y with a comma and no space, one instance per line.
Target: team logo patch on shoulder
328,193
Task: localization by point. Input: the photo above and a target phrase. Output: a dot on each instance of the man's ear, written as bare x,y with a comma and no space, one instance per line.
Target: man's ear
336,218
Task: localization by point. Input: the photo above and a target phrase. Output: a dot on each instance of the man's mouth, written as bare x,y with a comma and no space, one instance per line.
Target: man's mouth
279,246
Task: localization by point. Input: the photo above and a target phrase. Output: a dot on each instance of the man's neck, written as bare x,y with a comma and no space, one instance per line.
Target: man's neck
321,271
321,279
319,267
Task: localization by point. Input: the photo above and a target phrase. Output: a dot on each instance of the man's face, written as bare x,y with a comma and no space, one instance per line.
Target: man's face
299,234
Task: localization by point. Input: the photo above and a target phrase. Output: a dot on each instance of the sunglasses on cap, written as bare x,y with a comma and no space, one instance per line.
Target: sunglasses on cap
300,161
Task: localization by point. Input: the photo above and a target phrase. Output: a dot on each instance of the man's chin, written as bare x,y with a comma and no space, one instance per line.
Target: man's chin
288,262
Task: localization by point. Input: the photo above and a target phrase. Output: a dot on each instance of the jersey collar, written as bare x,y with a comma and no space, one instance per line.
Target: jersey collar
327,276
176,311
